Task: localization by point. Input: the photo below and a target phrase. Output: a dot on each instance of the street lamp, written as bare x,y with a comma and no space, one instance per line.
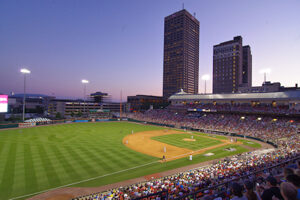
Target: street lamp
205,77
84,89
265,72
24,71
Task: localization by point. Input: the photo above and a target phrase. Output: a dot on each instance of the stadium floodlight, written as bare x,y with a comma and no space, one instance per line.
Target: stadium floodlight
24,71
265,72
84,81
205,77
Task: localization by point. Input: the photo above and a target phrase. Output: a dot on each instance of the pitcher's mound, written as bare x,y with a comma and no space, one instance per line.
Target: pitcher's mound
189,139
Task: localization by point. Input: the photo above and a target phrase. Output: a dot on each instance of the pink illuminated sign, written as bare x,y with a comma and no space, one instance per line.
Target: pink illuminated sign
3,103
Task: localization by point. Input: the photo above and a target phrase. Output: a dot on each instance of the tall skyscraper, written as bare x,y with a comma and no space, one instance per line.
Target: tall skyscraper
181,53
232,66
247,67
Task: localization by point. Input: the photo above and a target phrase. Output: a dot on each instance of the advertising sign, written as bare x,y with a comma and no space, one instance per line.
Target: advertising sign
3,103
26,125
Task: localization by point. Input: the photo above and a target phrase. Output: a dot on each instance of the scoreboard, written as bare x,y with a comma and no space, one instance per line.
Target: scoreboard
3,103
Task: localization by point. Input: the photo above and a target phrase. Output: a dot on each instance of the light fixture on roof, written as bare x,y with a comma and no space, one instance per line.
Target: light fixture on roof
259,118
84,81
243,117
205,77
265,72
24,71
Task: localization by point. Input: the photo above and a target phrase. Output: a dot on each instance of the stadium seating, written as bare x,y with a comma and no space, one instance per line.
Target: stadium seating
216,181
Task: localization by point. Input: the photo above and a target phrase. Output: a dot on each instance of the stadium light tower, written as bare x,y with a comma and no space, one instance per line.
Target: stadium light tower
205,77
265,72
24,71
84,90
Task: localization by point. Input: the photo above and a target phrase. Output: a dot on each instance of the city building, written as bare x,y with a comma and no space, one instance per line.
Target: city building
144,102
232,66
267,87
100,97
181,53
77,108
35,103
247,67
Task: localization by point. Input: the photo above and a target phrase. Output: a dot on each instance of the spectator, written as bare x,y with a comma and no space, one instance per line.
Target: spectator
250,194
271,190
288,191
287,171
295,180
237,191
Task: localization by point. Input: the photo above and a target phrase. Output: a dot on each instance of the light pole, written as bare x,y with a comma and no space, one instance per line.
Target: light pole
205,78
84,90
24,71
265,72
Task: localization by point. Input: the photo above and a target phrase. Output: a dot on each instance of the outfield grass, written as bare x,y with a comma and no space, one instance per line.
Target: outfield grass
40,158
178,140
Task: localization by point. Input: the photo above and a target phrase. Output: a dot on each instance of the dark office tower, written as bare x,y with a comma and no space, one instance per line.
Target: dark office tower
247,67
181,53
230,68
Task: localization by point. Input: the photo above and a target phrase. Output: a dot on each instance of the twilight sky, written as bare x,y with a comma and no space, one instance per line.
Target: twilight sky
119,44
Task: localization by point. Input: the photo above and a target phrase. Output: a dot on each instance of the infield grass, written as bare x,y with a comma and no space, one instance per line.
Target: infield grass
178,140
41,158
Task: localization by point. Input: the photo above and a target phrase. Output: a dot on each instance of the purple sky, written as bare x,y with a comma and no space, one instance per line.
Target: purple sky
119,44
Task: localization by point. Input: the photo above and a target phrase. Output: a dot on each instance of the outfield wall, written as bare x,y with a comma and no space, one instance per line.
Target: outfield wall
64,121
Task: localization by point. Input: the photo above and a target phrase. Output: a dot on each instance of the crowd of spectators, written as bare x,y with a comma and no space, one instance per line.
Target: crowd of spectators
257,175
267,128
238,174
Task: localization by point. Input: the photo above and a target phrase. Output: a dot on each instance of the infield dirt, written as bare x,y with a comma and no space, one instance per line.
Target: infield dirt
143,143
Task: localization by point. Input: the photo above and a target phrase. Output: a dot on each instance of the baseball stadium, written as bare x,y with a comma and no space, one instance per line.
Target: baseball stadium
191,149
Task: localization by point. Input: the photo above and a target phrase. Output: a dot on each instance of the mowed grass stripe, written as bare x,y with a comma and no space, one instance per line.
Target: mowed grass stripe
68,168
124,158
106,156
3,158
97,158
82,162
51,174
31,184
9,173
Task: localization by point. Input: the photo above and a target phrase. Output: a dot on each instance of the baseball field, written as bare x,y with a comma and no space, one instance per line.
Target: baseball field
37,159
